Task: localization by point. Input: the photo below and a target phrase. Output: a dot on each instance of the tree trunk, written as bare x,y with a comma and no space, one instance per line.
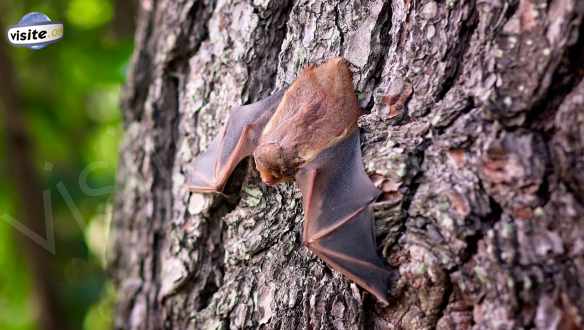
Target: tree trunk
473,129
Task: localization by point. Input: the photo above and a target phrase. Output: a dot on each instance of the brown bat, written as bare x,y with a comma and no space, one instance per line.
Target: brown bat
309,133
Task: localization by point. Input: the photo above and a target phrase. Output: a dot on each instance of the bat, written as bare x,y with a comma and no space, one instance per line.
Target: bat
308,133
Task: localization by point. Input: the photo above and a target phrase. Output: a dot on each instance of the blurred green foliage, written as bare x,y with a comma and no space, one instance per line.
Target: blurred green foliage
70,93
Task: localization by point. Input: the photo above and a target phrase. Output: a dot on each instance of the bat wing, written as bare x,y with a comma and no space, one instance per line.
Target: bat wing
237,140
338,225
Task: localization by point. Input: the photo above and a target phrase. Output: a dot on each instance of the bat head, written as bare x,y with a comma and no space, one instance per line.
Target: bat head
274,163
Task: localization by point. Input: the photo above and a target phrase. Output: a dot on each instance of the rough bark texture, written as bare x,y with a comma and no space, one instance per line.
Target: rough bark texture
473,128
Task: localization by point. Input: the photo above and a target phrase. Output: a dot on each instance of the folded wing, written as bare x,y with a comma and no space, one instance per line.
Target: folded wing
237,140
338,225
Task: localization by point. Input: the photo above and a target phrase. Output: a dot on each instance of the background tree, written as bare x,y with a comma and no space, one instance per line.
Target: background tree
60,125
472,129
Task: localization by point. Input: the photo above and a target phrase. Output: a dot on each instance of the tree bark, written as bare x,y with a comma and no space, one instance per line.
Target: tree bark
472,128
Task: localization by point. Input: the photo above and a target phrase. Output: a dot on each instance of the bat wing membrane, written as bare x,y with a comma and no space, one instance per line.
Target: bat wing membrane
338,225
237,140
